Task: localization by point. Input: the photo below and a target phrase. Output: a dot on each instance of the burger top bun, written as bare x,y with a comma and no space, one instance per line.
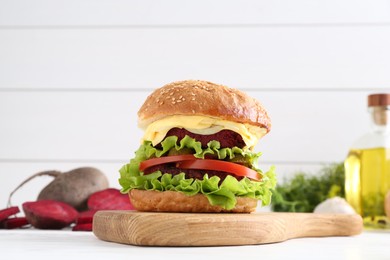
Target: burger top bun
196,97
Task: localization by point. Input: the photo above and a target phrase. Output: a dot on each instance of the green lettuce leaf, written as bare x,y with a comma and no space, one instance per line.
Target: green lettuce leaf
223,194
213,148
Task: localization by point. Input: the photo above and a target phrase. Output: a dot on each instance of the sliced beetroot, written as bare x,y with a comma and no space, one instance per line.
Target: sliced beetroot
49,214
12,223
83,227
109,199
6,213
86,217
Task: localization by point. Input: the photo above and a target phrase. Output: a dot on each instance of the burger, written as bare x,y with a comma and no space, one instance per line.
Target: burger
196,154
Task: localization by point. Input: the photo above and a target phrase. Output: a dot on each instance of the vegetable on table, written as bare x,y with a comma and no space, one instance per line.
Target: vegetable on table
84,221
109,199
6,213
15,222
49,214
83,227
304,192
85,217
8,219
58,204
335,205
73,187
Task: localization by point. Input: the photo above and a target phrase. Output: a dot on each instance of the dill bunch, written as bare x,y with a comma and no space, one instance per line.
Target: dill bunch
304,192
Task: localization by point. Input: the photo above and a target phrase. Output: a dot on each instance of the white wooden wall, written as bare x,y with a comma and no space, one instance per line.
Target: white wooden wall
74,73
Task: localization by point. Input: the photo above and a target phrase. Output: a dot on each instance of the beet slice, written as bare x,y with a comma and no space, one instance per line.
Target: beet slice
85,217
83,227
109,199
12,223
49,214
6,213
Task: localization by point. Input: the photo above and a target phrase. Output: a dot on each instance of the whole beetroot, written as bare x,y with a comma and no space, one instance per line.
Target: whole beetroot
75,187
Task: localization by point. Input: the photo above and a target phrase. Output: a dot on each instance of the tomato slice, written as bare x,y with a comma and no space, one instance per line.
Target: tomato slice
217,165
188,161
166,159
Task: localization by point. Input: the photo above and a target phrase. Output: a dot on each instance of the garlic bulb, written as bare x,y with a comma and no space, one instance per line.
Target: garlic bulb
335,205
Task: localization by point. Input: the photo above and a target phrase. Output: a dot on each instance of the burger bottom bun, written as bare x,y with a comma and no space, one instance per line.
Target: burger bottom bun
174,201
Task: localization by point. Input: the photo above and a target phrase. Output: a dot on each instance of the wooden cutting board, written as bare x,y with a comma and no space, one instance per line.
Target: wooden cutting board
218,229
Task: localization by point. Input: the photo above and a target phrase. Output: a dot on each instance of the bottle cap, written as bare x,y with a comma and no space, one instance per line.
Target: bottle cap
382,99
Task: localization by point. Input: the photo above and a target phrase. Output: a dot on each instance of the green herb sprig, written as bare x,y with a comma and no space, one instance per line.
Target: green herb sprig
304,192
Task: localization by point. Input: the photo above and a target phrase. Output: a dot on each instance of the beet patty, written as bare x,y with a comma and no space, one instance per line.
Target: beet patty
226,138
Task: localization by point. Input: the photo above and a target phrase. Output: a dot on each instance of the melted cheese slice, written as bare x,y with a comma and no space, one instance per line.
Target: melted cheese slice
156,131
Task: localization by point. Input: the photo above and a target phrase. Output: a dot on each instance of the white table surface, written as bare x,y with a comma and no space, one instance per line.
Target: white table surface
65,244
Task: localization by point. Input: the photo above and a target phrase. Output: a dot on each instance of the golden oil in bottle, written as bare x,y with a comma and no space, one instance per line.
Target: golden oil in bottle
367,183
367,167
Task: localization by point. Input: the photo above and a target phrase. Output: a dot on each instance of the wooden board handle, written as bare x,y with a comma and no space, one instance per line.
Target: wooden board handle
319,225
182,229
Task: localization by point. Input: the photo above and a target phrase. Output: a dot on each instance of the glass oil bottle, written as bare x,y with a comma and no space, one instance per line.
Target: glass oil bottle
367,167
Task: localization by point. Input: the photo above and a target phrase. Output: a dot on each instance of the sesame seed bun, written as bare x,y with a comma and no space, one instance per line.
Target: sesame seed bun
173,201
196,97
